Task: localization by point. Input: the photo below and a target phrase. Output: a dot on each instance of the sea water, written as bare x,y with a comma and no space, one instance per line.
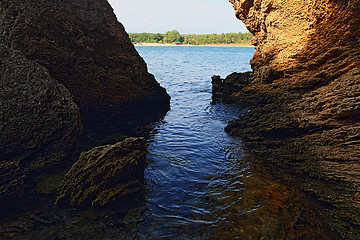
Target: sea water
199,184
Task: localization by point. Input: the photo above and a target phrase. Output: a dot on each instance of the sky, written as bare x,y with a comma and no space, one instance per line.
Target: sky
186,16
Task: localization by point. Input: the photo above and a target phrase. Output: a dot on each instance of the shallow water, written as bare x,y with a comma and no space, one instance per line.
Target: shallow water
191,157
200,182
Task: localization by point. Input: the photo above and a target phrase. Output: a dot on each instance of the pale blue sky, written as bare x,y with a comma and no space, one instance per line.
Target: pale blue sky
186,16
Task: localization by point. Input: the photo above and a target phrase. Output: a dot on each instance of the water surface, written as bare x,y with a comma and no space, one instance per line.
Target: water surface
198,183
190,154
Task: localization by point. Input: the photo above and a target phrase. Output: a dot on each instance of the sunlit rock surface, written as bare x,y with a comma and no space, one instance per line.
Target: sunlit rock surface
304,98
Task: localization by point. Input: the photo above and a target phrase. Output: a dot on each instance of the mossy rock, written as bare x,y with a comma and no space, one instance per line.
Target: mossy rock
48,184
105,174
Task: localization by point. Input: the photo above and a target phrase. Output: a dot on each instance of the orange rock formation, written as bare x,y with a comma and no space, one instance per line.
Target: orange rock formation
304,97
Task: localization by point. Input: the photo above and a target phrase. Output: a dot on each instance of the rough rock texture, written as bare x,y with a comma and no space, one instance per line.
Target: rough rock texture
304,98
12,182
223,89
86,49
105,174
39,122
306,38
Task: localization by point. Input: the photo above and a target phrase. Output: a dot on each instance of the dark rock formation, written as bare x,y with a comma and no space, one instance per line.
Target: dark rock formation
304,98
12,182
67,54
225,89
105,174
86,49
39,121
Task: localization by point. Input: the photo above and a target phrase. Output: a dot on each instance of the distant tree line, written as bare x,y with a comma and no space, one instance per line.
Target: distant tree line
194,39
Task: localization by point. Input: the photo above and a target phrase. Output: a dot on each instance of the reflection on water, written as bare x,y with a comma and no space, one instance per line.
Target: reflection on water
200,183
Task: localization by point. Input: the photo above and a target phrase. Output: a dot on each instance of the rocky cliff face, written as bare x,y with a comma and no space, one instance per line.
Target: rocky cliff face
57,56
39,122
304,97
87,50
38,119
301,38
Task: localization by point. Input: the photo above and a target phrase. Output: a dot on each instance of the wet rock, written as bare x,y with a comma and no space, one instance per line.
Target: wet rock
86,49
39,121
105,174
222,89
304,98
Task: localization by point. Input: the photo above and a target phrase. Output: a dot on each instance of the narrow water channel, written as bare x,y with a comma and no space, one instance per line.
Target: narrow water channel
193,162
199,186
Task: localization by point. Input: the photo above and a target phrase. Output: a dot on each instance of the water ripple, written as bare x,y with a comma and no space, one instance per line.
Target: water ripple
198,186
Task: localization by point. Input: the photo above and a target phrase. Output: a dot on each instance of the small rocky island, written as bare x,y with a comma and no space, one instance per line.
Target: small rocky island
303,99
69,78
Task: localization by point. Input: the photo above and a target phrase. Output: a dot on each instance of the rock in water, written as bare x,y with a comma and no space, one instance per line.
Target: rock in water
305,98
39,122
223,89
87,50
105,174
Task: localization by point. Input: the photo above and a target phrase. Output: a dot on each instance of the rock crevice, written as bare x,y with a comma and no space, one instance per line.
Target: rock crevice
38,118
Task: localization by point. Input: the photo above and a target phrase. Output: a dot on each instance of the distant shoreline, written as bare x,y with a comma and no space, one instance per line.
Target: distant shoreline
207,45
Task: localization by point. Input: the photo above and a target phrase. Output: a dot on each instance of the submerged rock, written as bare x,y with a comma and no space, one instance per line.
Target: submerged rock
86,49
105,174
39,121
304,98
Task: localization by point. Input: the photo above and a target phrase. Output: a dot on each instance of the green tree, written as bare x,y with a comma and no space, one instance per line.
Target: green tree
173,36
194,39
158,37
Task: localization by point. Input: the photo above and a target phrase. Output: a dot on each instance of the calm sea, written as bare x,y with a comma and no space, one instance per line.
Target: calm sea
193,162
199,185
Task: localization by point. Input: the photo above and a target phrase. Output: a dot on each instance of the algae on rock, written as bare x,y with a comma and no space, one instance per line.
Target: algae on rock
105,174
